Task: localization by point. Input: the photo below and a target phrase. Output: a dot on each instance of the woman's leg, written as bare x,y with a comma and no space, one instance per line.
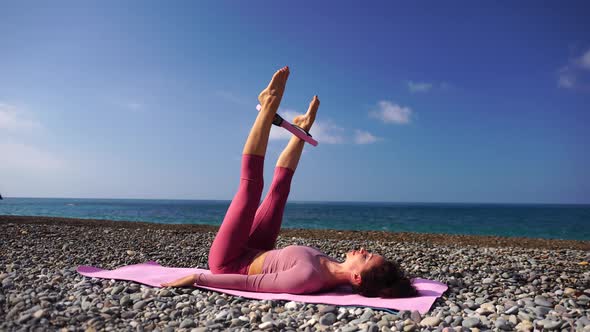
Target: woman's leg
270,99
232,238
267,222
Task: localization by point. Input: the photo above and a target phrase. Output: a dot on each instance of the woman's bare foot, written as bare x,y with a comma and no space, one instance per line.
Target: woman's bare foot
270,98
184,281
305,121
289,158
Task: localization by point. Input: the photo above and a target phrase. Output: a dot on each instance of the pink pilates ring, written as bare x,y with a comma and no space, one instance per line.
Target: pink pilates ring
294,129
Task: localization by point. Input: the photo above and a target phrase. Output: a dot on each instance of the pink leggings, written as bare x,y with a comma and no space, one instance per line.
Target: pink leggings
248,229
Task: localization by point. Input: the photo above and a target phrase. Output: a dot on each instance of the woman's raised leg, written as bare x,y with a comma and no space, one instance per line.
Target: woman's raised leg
267,222
231,240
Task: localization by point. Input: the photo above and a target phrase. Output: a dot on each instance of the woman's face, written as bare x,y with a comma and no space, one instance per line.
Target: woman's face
362,260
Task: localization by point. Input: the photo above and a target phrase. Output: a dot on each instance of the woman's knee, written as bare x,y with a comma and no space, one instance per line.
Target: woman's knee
216,263
215,266
251,186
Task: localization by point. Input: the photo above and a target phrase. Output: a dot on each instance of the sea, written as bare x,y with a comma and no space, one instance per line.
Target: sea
548,221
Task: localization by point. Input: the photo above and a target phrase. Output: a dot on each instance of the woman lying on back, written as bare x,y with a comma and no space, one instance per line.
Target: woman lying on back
242,255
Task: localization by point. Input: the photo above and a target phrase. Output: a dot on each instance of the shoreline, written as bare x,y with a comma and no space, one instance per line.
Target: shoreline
335,234
501,288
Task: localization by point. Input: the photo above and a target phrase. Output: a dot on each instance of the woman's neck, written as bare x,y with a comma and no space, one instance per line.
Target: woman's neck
337,274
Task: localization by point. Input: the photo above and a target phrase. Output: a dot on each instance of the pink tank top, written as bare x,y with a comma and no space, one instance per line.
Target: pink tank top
293,269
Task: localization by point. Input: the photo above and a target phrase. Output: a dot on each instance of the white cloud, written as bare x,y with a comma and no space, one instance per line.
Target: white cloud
566,79
134,106
126,104
419,86
325,132
277,133
13,119
364,137
24,157
329,133
392,113
574,75
585,60
17,125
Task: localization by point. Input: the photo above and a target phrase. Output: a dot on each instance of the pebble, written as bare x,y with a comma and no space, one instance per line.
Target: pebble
568,291
383,322
430,321
267,318
486,309
523,316
470,322
117,289
541,312
583,321
542,301
409,327
85,305
327,308
328,319
512,310
448,320
139,305
502,324
471,304
125,300
549,325
7,283
40,313
480,300
525,325
222,315
265,325
373,328
367,314
416,317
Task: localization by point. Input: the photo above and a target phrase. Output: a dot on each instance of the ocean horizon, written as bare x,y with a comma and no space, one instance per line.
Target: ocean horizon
532,220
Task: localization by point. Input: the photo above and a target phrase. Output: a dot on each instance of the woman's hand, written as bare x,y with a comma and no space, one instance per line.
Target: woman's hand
184,281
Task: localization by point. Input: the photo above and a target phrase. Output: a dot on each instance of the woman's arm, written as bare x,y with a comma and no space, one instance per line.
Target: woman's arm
292,281
184,281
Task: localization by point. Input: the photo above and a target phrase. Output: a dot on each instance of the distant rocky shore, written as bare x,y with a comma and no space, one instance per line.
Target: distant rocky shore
475,240
495,283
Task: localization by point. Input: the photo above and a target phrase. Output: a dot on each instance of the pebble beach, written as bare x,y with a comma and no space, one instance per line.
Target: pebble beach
495,283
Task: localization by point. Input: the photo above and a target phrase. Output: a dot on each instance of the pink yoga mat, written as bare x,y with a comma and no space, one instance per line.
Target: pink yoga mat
153,274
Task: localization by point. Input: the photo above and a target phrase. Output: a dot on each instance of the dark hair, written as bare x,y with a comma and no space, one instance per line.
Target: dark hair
385,280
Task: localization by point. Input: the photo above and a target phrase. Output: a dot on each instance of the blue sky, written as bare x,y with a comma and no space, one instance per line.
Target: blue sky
420,102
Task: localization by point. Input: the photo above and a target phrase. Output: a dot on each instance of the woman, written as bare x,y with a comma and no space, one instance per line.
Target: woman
242,255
